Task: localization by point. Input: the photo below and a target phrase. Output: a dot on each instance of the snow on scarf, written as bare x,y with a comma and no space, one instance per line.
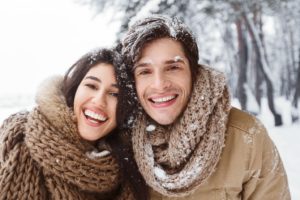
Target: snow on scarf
174,160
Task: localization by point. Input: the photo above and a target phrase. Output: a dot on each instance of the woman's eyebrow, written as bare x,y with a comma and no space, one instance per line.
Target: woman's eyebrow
99,80
115,85
93,78
141,64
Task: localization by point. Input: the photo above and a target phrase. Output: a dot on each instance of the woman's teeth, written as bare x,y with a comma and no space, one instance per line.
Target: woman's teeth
95,116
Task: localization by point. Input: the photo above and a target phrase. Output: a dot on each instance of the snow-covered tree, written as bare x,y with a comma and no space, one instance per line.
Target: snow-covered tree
233,36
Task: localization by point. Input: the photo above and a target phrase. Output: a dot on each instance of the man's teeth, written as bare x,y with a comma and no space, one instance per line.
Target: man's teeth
163,99
95,115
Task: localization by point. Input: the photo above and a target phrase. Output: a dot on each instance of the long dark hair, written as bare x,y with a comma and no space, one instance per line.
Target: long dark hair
119,139
78,70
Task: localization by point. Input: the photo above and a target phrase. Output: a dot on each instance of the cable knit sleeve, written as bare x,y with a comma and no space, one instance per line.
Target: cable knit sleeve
19,177
11,133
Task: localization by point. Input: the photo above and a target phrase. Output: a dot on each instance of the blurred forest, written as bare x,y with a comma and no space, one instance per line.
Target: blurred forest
255,42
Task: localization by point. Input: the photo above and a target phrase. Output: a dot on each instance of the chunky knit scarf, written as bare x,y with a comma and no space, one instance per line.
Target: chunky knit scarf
174,160
53,162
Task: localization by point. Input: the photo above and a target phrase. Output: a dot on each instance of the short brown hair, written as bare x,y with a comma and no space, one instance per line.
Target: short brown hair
156,27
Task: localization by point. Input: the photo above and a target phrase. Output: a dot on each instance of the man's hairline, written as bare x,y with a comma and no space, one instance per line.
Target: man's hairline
154,39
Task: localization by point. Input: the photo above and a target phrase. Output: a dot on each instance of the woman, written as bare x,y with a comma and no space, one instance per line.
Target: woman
66,147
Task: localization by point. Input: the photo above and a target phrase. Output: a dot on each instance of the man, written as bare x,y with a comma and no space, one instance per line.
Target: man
190,143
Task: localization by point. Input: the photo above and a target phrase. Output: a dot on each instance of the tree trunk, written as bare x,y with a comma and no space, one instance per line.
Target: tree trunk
242,68
258,82
264,68
289,59
295,115
258,72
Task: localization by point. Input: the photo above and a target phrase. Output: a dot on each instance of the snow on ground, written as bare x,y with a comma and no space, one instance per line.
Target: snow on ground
286,137
287,140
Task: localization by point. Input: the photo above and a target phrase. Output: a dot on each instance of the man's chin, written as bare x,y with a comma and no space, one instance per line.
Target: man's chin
163,120
165,116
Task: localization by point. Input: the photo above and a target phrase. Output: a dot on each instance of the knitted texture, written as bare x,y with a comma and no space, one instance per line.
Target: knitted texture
43,157
174,160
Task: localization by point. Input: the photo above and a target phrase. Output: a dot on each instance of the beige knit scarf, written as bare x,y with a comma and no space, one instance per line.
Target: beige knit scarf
67,167
174,160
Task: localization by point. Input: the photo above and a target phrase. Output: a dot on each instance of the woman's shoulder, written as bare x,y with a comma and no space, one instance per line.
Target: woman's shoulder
13,122
12,132
15,117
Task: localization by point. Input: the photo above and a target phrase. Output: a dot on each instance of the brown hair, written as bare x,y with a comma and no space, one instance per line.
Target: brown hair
156,27
119,142
78,70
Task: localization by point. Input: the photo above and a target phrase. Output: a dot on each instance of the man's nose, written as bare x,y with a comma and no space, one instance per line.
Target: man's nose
161,81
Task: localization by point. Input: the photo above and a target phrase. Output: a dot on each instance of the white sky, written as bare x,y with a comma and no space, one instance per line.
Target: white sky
39,38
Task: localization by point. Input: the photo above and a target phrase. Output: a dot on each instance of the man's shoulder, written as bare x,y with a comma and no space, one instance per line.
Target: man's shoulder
243,121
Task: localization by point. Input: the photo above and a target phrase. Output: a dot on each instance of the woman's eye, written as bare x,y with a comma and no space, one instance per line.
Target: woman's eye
91,86
114,94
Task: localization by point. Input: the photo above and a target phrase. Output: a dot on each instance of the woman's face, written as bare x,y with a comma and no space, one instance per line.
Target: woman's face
95,102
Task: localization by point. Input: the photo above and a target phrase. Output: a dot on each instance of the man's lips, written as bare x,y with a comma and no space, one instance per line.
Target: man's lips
163,101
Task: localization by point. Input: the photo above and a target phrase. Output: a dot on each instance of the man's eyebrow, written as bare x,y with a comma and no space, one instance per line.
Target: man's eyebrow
170,61
177,60
142,64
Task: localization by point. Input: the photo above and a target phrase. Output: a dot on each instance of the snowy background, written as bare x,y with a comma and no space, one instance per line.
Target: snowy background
40,38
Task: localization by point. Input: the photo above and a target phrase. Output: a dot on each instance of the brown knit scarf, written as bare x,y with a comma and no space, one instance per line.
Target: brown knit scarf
174,160
55,161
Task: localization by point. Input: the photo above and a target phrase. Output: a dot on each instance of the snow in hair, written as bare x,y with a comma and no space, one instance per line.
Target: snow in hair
148,26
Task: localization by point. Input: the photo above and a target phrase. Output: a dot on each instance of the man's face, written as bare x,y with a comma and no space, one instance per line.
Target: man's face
163,80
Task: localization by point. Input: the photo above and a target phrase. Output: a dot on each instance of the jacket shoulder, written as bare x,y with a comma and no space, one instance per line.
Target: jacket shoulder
244,121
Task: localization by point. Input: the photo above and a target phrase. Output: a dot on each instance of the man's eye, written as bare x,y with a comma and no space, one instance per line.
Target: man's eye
91,86
173,67
143,72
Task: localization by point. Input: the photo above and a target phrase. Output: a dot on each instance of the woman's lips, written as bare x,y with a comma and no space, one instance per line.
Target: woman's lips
93,118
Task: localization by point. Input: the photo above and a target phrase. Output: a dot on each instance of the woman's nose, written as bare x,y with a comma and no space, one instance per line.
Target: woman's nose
100,98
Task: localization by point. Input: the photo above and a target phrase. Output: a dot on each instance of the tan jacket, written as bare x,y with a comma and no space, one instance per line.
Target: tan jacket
250,167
